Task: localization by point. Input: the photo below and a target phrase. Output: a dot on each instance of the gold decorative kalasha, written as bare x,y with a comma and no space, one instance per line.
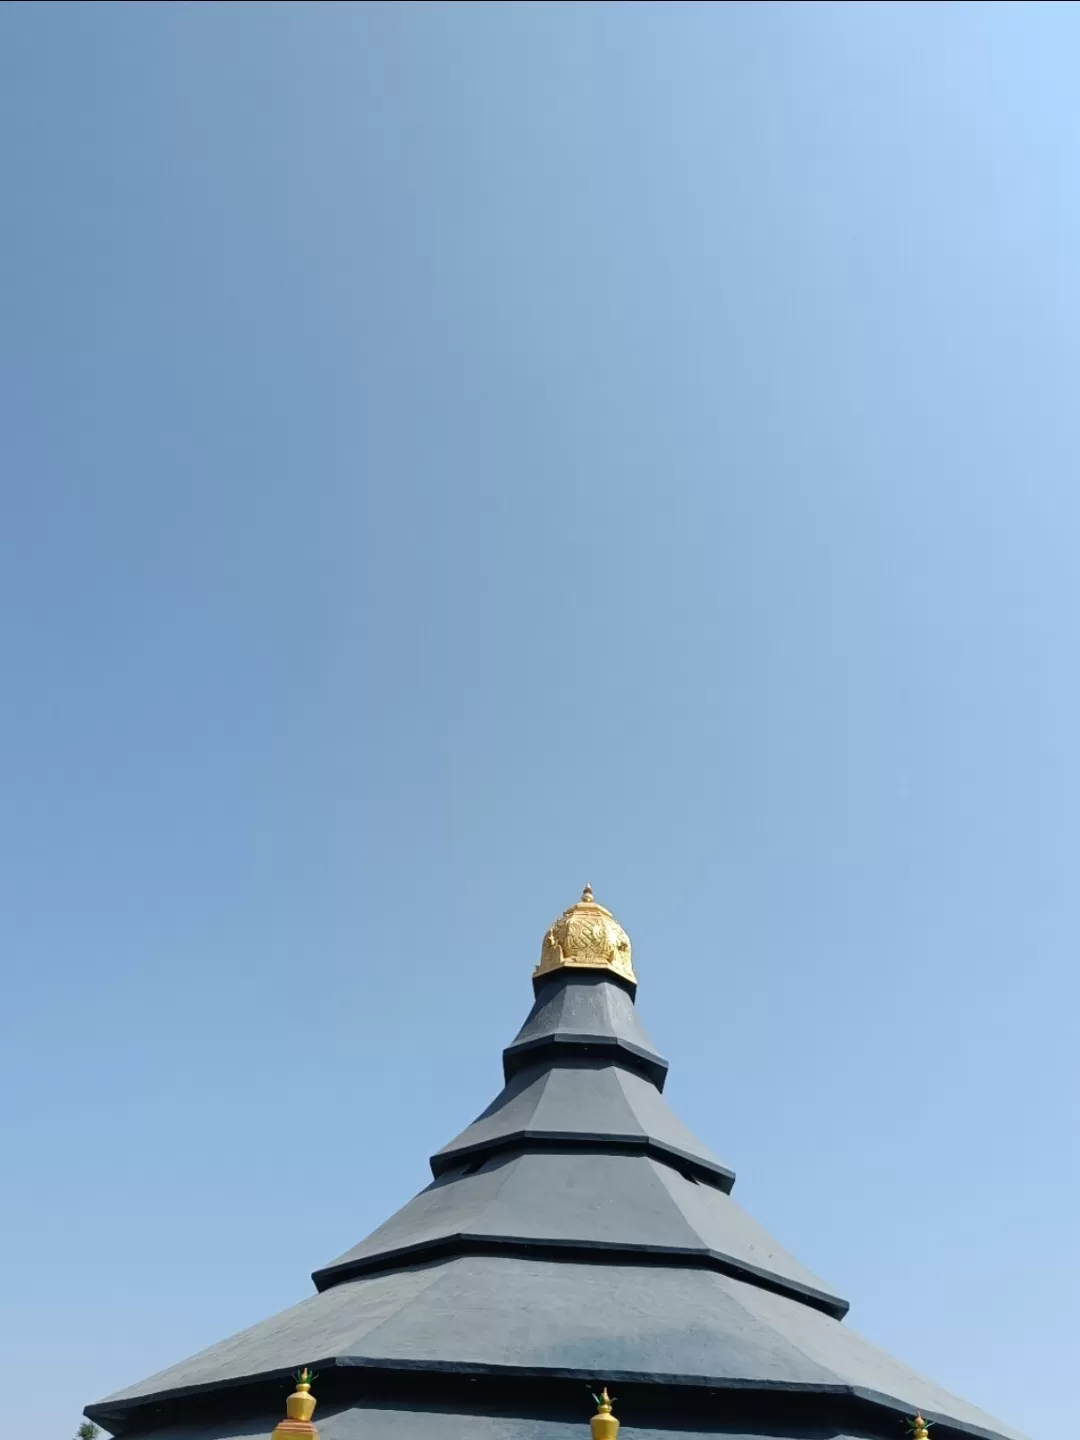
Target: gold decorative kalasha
299,1408
603,1424
586,937
919,1428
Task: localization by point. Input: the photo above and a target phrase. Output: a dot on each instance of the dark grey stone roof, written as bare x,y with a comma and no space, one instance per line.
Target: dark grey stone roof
575,1232
588,1014
582,1102
554,1203
493,1313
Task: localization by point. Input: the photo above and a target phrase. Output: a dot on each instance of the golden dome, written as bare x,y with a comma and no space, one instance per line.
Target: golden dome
586,937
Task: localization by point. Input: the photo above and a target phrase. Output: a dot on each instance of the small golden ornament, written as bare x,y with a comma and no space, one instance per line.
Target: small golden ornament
919,1428
300,1406
603,1424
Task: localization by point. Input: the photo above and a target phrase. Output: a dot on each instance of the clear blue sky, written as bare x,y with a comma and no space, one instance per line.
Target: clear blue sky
451,453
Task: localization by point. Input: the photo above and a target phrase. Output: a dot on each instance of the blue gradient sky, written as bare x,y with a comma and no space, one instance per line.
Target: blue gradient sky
453,452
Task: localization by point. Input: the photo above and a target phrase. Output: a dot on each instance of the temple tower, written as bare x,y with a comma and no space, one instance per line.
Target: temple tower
575,1235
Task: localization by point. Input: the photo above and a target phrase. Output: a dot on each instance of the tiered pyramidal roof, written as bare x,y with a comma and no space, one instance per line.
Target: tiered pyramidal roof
575,1233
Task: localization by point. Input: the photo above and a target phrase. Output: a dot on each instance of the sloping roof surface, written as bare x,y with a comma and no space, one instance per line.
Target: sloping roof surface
585,1013
488,1312
584,1102
556,1201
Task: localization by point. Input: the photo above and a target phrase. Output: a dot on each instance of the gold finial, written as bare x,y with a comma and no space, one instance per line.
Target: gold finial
603,1424
920,1428
586,937
299,1407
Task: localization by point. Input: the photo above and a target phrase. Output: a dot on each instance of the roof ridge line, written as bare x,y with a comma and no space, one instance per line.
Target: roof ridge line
877,1400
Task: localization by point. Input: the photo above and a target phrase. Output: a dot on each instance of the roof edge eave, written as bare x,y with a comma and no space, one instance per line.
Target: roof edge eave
711,1171
123,1414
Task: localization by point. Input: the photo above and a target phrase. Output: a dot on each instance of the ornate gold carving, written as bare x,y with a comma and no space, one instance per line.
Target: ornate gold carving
586,937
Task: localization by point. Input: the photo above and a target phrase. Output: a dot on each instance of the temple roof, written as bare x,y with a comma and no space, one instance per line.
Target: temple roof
581,1013
578,1103
576,1231
484,1314
562,1206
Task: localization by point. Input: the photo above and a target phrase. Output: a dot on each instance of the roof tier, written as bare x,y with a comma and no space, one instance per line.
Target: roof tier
482,1315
